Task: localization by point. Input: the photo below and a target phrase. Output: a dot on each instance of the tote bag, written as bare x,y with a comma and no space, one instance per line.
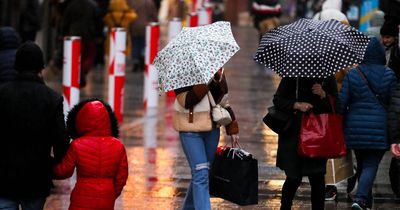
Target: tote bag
234,176
321,135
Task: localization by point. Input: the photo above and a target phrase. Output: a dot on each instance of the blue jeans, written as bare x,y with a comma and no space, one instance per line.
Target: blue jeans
199,148
26,203
367,165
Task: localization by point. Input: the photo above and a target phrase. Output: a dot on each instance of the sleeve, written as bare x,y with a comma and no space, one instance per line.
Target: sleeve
66,167
59,135
284,98
331,90
188,98
122,174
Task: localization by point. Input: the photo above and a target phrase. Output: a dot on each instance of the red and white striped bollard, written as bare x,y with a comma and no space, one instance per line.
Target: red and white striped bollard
150,74
116,71
192,20
71,72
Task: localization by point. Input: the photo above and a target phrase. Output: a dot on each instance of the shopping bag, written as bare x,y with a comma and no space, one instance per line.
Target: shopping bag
339,169
394,175
234,176
321,135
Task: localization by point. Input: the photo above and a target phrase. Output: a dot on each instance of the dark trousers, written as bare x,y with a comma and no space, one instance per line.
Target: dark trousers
291,185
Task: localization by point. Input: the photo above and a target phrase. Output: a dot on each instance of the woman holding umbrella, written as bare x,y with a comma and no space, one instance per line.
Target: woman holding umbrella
190,65
199,141
307,54
297,96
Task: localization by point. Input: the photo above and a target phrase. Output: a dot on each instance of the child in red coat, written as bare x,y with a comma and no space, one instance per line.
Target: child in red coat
99,157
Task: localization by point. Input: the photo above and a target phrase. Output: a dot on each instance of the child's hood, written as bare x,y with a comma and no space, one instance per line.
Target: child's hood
93,120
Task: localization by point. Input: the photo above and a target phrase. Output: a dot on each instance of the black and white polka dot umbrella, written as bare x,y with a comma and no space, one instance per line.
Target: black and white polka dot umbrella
311,48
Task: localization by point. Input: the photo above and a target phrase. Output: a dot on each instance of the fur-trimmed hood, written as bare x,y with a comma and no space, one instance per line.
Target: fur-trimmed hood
92,117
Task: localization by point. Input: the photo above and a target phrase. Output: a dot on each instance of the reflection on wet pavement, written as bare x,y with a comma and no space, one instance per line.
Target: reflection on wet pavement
158,171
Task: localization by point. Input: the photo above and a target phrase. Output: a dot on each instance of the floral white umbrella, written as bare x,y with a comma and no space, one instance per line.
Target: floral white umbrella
194,55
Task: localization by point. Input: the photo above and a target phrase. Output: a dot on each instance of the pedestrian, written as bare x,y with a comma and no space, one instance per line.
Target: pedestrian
390,39
365,96
32,128
266,15
296,96
119,15
97,154
29,20
83,18
9,43
146,13
200,142
394,122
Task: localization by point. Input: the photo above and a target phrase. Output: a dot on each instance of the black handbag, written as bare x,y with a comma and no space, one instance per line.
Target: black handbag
234,176
277,120
394,175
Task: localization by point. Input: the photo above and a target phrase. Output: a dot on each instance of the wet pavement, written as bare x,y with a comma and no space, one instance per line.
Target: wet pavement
158,171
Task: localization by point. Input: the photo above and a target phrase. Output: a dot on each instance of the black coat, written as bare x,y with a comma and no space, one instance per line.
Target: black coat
31,125
287,158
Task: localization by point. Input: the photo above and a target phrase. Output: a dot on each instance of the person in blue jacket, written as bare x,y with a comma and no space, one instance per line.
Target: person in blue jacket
365,95
9,43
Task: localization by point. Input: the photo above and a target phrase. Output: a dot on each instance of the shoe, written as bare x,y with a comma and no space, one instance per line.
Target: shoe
330,192
359,206
351,183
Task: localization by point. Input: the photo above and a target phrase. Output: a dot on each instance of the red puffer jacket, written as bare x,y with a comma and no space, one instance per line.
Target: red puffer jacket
100,160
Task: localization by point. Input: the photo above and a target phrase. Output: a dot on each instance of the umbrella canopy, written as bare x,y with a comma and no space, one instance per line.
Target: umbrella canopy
311,48
194,55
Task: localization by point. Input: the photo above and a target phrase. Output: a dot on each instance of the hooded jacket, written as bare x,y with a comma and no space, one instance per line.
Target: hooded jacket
8,47
365,116
99,157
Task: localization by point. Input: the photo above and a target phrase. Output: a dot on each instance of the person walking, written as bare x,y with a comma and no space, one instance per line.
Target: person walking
296,96
390,39
97,154
199,135
32,128
146,13
365,95
266,15
9,44
83,18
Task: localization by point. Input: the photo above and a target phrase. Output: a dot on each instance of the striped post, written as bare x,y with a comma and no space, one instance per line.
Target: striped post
150,74
116,71
150,146
71,72
192,20
204,16
175,26
209,10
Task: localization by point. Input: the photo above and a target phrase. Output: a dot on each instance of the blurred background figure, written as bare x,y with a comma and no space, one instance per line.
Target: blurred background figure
9,43
390,39
103,8
146,13
119,15
30,20
375,24
266,15
82,18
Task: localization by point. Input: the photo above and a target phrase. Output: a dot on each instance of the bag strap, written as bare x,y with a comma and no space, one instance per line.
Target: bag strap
377,96
332,105
211,99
